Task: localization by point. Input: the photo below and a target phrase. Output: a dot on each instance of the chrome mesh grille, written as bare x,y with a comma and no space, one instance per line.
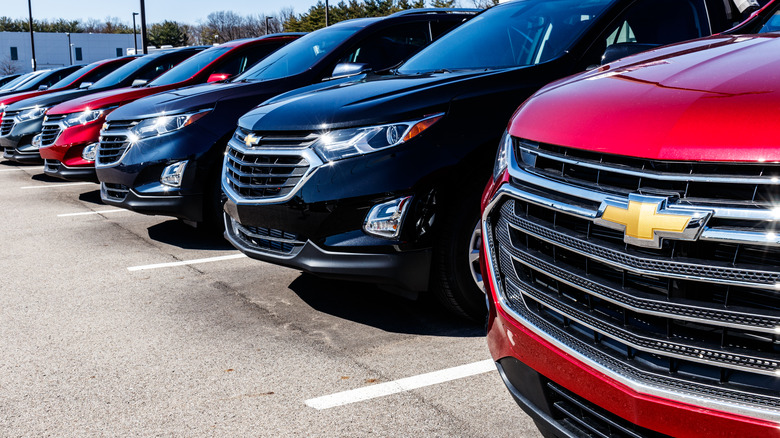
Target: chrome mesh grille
51,129
264,171
113,142
9,120
698,317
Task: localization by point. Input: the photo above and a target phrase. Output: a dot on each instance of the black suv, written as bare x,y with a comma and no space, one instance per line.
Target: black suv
380,180
174,170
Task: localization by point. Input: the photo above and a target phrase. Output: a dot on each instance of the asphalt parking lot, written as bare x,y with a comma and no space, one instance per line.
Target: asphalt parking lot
108,327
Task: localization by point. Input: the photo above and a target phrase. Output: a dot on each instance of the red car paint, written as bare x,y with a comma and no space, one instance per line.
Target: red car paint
710,100
70,144
110,64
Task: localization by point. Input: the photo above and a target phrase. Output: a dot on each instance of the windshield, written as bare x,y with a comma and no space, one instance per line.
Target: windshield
122,73
189,67
299,55
524,32
67,80
14,83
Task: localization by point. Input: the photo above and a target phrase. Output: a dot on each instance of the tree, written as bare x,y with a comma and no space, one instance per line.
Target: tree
8,67
167,33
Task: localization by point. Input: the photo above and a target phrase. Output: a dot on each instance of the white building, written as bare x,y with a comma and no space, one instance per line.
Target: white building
51,49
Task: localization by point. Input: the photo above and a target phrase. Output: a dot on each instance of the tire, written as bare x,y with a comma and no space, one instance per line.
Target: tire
456,272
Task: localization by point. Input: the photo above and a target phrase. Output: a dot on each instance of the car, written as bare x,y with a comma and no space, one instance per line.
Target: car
8,78
21,148
72,157
379,180
39,80
630,249
17,126
174,170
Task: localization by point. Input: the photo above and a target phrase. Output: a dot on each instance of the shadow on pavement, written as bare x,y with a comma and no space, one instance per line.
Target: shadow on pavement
92,197
367,304
42,177
177,233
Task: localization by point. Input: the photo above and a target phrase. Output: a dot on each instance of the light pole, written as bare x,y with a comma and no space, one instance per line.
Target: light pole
144,42
70,48
266,24
32,40
135,39
326,13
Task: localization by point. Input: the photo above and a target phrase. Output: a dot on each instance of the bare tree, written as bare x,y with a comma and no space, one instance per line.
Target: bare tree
8,67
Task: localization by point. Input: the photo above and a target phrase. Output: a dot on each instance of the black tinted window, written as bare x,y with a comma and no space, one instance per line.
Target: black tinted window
390,46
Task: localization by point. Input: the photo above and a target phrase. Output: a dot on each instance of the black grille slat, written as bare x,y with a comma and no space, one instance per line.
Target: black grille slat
267,239
51,129
8,122
115,192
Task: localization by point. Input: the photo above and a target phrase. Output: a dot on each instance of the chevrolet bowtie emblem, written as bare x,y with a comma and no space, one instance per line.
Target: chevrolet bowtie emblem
251,140
644,220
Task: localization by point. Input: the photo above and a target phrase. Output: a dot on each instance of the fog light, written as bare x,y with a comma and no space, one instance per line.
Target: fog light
171,175
384,220
36,141
90,152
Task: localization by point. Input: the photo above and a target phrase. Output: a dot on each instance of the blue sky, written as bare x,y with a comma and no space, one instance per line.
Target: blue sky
186,11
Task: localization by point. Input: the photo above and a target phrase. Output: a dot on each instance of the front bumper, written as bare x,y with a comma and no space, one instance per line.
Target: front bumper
17,144
408,270
561,394
59,170
187,207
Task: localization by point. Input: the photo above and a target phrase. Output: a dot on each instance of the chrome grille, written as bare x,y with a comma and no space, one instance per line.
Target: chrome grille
267,239
113,142
51,129
114,192
9,120
269,169
694,318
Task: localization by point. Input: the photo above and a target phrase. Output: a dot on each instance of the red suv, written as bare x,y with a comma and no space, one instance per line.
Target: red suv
631,244
72,129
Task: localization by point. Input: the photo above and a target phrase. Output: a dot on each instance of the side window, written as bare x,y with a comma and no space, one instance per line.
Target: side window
239,63
390,46
661,22
161,66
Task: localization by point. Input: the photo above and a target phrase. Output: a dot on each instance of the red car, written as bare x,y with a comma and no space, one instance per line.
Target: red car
81,78
69,148
631,244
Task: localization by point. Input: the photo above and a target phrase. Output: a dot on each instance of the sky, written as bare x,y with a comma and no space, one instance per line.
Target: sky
184,11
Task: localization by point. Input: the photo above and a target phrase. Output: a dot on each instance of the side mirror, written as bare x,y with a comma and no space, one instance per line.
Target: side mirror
348,69
216,77
621,50
43,87
139,83
84,85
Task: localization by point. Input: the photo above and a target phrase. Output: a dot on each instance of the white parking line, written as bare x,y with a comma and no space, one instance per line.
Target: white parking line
17,169
401,385
186,262
54,186
86,213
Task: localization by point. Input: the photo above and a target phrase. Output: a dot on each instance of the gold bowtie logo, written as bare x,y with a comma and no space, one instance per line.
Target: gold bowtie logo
251,140
644,220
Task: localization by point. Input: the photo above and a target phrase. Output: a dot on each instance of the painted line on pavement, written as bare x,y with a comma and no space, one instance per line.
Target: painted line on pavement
54,186
186,262
86,213
401,385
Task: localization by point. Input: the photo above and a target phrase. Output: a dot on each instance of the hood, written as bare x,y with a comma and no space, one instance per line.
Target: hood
714,99
13,98
373,100
47,100
180,100
108,98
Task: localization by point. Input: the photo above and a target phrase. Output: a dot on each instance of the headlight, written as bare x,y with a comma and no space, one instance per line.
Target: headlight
502,157
31,113
86,116
344,143
164,124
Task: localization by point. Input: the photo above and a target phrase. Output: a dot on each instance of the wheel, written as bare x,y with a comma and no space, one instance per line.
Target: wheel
456,276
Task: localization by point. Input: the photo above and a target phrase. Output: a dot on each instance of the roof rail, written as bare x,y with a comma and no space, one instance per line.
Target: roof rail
436,10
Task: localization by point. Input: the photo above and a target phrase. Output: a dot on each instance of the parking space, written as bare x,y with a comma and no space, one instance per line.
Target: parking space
115,323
